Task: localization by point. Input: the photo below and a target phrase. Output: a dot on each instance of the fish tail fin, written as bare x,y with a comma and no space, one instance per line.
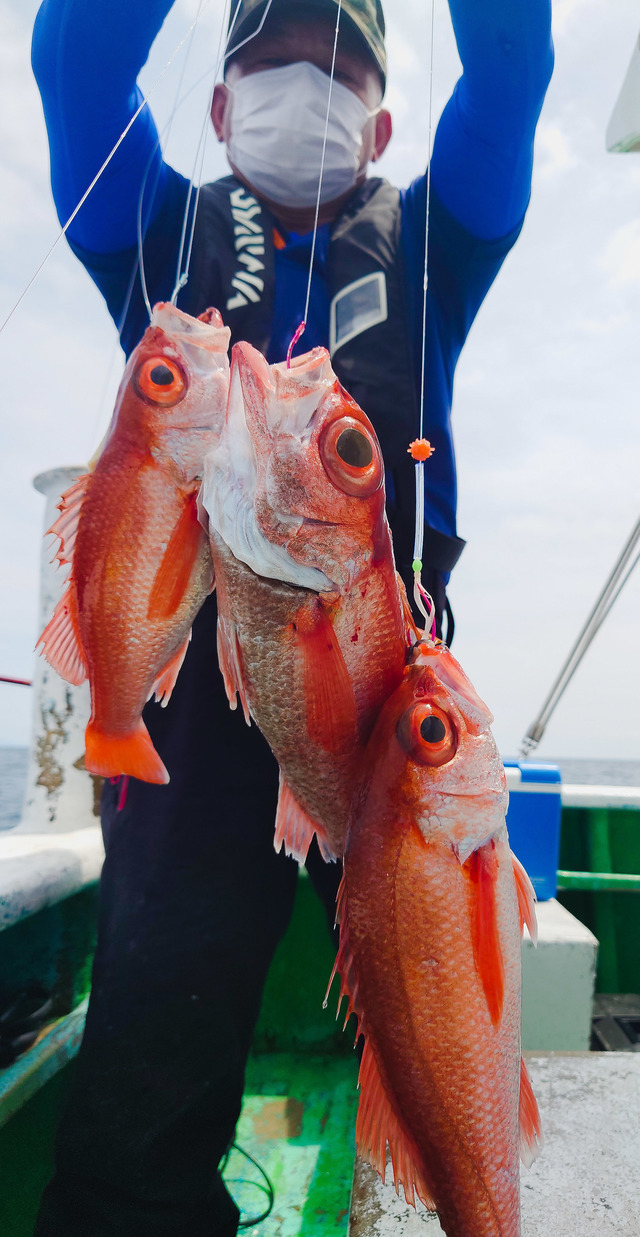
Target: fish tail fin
530,1125
110,755
526,899
376,1123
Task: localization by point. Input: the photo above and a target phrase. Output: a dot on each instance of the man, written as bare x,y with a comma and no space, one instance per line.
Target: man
193,898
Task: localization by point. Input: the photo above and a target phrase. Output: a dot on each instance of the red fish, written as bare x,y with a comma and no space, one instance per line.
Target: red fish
311,629
430,908
140,560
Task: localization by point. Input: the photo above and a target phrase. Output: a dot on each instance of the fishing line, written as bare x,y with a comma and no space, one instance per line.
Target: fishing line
141,229
243,43
163,138
212,71
138,265
106,163
183,277
301,329
420,450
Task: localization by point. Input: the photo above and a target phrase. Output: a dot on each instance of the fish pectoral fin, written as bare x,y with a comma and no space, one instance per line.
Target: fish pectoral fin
377,1125
321,672
530,1125
487,949
526,899
111,755
230,662
60,639
295,828
66,525
174,573
166,681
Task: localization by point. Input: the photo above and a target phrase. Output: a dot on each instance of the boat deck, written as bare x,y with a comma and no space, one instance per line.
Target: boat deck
585,1182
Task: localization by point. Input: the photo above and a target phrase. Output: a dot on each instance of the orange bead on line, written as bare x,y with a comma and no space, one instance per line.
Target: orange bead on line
420,449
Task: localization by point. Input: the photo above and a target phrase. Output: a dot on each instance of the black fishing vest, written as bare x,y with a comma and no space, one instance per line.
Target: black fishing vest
232,268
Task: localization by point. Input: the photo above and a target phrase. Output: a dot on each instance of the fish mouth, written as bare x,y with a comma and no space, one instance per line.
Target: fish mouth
307,519
192,429
208,335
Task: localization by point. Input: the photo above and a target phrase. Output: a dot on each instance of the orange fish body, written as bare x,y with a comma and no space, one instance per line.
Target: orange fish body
311,628
430,908
140,560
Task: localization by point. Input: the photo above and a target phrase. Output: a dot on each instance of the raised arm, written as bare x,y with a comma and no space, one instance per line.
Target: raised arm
483,150
86,58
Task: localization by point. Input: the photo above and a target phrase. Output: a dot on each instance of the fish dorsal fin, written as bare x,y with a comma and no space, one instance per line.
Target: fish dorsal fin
530,1125
485,934
526,899
295,829
230,662
166,681
376,1123
174,573
324,679
66,525
60,640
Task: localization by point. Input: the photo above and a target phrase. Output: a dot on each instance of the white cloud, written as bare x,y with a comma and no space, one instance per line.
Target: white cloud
620,259
553,151
566,12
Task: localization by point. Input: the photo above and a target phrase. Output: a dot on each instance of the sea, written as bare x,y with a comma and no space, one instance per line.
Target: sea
13,774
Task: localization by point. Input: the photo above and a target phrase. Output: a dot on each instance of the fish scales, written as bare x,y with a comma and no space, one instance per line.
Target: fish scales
311,625
140,560
449,1071
321,769
430,910
122,543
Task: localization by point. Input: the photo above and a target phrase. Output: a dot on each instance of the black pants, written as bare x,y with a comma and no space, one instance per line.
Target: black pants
193,901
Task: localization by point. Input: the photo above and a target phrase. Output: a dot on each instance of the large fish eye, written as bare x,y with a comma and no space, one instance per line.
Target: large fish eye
351,457
160,380
428,735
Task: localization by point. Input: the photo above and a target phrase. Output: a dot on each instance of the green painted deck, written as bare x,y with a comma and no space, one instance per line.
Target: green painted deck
297,1121
300,1098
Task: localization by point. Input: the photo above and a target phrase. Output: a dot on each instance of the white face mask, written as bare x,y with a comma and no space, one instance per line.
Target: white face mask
275,130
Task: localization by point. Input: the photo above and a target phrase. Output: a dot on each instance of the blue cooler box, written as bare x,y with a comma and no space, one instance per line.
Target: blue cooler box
533,821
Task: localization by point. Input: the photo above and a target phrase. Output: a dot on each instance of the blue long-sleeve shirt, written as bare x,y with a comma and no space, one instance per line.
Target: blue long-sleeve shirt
87,56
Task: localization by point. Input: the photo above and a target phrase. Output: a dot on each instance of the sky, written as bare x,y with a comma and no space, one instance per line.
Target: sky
546,393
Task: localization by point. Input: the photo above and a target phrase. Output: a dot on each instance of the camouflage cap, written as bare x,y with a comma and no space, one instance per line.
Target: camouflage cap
364,16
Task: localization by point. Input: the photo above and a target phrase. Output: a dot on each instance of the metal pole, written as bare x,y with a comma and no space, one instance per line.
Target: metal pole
611,590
